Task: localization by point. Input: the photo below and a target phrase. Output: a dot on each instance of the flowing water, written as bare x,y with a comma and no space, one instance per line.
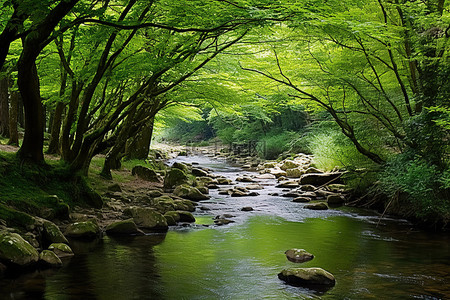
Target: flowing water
371,259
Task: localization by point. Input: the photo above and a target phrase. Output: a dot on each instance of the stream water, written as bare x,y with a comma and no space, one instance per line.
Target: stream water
371,259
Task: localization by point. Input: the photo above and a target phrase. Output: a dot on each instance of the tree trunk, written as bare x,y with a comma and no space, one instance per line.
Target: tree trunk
140,145
13,133
4,107
33,140
53,147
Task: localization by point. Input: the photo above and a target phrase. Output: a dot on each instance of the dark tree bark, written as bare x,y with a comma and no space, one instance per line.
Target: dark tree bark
4,107
28,82
53,147
13,114
139,147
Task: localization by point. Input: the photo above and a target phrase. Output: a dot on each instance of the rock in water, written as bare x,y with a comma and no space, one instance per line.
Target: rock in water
189,192
307,277
15,250
123,227
61,250
83,230
316,206
298,255
147,218
52,234
49,259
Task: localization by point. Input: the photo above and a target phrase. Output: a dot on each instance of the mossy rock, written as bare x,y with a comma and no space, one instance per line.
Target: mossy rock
181,166
16,218
173,214
48,258
146,174
163,204
307,277
184,204
189,192
123,227
316,206
335,200
16,251
298,255
115,188
61,250
52,234
83,230
186,216
147,218
170,220
174,178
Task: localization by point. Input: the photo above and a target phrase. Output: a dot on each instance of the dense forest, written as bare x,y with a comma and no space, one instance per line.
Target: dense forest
362,85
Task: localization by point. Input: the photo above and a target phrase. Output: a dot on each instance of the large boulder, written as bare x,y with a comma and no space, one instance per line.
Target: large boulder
83,230
124,227
52,234
16,251
186,216
48,258
181,166
189,192
277,172
147,218
335,200
298,255
318,179
61,250
307,277
146,174
163,204
184,204
174,178
289,164
294,173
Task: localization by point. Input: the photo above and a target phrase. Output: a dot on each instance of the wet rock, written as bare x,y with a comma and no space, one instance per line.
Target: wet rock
298,255
146,174
203,189
317,179
265,176
163,204
274,194
269,165
83,230
186,216
61,250
124,227
115,188
48,258
288,184
247,208
220,222
182,153
335,200
311,195
147,218
224,216
174,215
337,188
16,251
308,188
301,200
244,179
292,195
170,220
223,181
254,187
238,193
189,192
317,206
204,208
52,234
277,172
224,191
199,172
174,177
253,194
307,277
212,186
184,204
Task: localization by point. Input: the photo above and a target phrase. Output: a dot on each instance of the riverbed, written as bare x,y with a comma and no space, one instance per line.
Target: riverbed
370,258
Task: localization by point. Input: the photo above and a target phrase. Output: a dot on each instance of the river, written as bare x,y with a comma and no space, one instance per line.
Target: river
370,258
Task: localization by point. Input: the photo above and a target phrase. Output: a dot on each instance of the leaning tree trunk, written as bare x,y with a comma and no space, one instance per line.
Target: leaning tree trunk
139,147
4,107
13,113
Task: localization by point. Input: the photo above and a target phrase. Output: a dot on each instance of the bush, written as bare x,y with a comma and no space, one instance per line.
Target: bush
421,185
277,142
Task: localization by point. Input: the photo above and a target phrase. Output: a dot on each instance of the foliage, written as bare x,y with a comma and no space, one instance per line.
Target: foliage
417,181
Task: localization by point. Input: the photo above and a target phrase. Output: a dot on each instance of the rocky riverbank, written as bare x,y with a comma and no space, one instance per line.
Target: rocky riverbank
155,200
